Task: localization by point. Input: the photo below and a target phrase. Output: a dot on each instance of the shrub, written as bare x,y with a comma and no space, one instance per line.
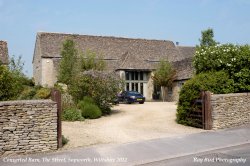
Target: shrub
9,85
233,59
67,101
102,87
216,82
43,93
64,140
72,114
27,94
89,109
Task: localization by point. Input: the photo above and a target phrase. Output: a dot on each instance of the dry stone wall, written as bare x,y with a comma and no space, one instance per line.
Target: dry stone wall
27,126
230,110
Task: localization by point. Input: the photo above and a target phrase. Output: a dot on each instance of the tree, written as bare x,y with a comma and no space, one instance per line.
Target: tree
207,38
89,61
164,76
69,58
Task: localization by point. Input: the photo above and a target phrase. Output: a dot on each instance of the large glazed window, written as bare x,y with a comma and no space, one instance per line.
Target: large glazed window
136,81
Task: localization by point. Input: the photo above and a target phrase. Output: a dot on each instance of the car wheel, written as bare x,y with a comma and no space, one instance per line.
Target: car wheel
141,102
127,101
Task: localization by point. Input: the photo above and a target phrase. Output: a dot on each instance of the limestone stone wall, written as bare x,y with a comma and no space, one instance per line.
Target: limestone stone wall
230,110
27,126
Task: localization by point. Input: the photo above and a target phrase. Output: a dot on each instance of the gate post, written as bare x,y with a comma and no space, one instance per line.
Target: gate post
206,110
56,96
203,109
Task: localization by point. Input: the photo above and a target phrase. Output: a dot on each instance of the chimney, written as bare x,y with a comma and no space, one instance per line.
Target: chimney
177,43
3,52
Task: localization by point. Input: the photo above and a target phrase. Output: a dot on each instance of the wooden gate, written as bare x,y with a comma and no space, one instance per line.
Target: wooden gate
201,111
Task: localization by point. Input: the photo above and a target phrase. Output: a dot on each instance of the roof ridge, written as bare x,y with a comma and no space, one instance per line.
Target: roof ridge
117,37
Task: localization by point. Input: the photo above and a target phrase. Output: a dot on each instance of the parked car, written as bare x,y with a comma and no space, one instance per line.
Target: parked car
130,97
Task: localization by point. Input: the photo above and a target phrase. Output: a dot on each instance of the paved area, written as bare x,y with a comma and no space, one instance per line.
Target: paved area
128,123
233,156
141,152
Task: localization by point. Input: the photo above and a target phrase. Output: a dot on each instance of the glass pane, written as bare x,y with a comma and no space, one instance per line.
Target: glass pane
136,87
136,75
141,84
127,86
141,76
127,75
132,75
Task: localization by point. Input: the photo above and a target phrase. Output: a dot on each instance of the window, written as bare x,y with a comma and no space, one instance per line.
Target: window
141,84
133,87
127,75
132,76
141,76
127,86
170,91
136,75
136,87
180,84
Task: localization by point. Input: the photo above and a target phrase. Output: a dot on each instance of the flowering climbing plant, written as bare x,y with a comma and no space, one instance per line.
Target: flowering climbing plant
233,59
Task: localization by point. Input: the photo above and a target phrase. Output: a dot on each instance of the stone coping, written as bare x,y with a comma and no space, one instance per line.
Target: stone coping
22,102
231,94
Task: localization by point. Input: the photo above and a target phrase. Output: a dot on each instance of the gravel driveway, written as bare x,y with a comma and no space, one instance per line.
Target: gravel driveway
127,123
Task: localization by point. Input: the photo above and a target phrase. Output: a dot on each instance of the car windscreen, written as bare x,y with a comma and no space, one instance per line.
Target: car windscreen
134,94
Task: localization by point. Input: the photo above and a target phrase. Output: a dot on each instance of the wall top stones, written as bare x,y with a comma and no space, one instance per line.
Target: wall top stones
25,102
220,97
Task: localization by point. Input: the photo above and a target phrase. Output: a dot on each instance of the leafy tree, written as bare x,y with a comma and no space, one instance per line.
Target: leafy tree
12,79
89,61
207,38
69,58
164,76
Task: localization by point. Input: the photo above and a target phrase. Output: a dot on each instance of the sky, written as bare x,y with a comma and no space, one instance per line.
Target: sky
176,20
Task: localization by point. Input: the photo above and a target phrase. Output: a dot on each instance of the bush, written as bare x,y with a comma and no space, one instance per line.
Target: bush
89,109
27,94
72,114
43,93
102,87
64,140
216,82
9,84
233,59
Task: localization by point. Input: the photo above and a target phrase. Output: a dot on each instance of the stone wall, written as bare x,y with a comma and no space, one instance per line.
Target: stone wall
28,126
230,110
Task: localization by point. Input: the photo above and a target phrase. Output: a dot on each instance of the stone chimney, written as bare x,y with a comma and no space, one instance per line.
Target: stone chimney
4,56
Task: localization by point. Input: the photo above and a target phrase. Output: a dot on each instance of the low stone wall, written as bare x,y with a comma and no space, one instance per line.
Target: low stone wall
230,110
28,126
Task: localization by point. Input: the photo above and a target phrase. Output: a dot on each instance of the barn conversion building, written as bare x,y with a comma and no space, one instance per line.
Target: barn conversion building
133,59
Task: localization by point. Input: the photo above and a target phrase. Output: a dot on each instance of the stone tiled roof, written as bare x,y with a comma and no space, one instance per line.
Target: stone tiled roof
3,52
184,68
117,52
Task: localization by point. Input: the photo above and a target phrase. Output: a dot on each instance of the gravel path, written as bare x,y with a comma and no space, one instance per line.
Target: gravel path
128,123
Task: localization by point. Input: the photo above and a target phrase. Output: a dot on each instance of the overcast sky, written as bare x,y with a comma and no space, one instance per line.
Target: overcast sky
176,20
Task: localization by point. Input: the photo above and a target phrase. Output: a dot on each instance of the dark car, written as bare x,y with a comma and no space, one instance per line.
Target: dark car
130,97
